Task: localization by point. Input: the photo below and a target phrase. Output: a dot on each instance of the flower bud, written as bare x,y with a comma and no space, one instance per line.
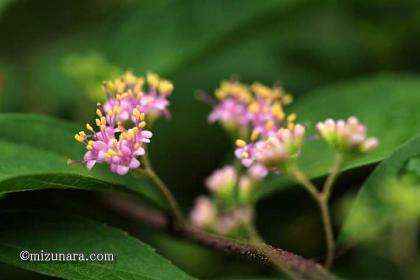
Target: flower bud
222,182
348,136
204,213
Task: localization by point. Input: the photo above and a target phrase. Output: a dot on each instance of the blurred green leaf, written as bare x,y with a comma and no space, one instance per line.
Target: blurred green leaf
373,208
60,234
387,103
34,151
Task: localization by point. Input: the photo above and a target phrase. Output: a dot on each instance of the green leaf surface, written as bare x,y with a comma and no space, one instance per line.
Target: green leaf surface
372,209
386,103
34,151
57,234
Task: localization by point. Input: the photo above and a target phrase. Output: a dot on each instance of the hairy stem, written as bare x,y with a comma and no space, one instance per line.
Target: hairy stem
294,266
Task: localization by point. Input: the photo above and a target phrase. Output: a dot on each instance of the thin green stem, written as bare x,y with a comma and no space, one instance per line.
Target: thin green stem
322,201
173,204
298,175
328,231
335,170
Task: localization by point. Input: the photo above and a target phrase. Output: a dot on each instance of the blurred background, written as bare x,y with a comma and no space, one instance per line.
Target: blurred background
54,55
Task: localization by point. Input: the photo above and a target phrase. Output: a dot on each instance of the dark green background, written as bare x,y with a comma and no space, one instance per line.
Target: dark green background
303,44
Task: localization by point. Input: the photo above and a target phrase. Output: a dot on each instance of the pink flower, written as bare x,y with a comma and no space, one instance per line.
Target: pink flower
230,112
285,146
121,121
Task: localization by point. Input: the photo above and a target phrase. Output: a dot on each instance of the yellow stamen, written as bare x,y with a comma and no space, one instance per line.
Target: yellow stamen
89,127
254,107
254,136
269,125
245,155
142,124
291,117
240,143
152,79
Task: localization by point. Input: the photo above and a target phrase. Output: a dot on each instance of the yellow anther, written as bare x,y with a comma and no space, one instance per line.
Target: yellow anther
110,153
287,99
114,142
98,122
110,113
89,127
79,138
269,125
89,146
103,120
240,143
291,117
152,79
254,107
136,113
135,130
136,146
290,126
129,77
166,87
277,111
98,112
150,100
102,127
245,155
254,136
142,124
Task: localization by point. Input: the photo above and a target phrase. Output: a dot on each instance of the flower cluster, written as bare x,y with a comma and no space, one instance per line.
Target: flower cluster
258,110
346,136
121,121
255,107
227,210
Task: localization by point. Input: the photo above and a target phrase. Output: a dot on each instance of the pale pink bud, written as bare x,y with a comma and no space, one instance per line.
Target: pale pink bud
204,213
222,179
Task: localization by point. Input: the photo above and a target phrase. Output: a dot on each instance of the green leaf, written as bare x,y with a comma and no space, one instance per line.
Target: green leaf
57,234
387,103
375,205
34,151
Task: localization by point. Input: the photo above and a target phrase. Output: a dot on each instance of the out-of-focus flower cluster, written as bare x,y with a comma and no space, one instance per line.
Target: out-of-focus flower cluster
274,142
228,209
120,134
257,112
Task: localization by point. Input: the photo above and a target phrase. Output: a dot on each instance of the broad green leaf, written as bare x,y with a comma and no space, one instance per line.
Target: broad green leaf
34,151
34,231
387,103
373,208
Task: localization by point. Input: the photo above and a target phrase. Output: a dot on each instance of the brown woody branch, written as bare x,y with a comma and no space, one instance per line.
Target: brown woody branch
296,266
